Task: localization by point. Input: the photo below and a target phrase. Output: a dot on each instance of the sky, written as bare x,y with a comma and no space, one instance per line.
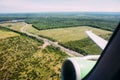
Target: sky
25,6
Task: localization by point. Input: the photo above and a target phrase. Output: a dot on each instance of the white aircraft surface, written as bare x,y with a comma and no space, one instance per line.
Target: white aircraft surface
80,64
107,67
98,40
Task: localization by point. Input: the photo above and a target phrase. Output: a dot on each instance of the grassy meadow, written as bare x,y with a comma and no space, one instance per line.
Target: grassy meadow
74,38
67,34
15,26
21,58
6,34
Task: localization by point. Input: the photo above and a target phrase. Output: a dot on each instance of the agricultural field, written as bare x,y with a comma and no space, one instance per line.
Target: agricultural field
13,25
68,34
22,58
74,38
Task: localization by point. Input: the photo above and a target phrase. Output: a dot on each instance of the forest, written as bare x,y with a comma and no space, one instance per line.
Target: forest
41,21
105,21
50,23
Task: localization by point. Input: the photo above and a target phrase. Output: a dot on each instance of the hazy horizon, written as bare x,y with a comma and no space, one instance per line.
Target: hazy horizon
37,6
54,12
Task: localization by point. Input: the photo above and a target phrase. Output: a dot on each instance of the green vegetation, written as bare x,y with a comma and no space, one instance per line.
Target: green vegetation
74,38
84,46
6,34
21,57
15,26
67,34
50,23
43,23
103,20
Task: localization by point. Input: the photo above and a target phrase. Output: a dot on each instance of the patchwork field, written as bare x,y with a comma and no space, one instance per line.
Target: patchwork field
67,34
21,58
74,38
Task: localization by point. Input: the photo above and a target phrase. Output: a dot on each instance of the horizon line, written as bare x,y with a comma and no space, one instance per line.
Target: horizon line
61,12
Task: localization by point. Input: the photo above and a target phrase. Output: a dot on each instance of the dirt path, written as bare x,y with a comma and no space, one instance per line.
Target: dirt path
45,45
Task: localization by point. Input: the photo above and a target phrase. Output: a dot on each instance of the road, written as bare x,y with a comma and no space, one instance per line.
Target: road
55,44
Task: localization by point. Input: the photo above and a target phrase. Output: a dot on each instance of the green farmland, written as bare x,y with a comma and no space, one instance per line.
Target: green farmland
67,34
15,26
70,37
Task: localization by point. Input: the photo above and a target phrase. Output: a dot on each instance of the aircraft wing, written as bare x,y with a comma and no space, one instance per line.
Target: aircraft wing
98,40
